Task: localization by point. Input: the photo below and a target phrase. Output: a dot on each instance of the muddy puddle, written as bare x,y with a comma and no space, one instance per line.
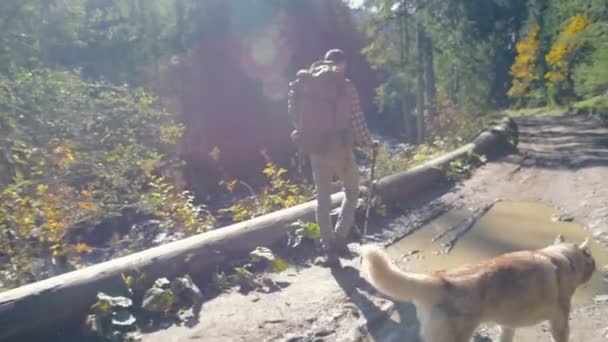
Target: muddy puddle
506,227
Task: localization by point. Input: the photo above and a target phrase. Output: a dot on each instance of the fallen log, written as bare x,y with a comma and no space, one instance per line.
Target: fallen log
70,295
49,303
405,184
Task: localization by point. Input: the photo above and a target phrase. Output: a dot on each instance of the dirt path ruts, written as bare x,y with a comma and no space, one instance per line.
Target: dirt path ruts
563,161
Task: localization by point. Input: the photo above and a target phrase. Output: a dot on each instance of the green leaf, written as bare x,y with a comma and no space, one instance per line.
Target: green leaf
162,283
309,230
102,306
103,300
262,253
186,284
122,302
220,280
123,318
158,300
279,265
312,230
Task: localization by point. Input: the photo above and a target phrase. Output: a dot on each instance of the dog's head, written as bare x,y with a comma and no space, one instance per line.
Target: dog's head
579,256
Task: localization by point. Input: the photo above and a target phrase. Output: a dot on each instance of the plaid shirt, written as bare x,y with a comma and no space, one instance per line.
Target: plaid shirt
360,130
362,136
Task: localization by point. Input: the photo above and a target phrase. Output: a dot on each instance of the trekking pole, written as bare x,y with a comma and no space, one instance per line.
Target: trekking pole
370,193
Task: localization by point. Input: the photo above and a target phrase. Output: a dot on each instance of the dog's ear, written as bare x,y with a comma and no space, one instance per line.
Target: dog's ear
585,245
559,239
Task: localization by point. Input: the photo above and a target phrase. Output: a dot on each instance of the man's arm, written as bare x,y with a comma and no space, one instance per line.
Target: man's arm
360,130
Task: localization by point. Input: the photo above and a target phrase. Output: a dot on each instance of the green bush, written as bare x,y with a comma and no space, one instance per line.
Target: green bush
75,153
279,193
591,77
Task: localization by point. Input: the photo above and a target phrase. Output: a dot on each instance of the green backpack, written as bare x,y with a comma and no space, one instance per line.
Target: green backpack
322,109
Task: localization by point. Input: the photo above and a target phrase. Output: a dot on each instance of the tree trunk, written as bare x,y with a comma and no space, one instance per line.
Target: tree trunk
429,76
406,110
404,103
420,83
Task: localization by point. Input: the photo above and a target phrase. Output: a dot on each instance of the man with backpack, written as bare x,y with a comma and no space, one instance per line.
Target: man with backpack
326,111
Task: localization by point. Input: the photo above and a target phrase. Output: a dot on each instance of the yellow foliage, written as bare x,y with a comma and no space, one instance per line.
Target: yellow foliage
556,56
59,149
67,159
52,225
280,193
59,250
42,189
176,209
239,212
51,214
523,69
89,206
555,77
576,24
67,155
83,248
230,185
161,214
564,48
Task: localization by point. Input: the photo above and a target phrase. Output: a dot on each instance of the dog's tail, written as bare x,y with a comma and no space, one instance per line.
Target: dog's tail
401,285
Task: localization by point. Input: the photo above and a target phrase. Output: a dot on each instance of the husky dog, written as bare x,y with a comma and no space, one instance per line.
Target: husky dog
513,290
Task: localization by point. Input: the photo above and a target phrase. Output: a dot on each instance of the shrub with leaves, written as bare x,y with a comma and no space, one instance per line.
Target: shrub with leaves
263,254
391,162
177,211
251,273
451,127
159,298
303,230
462,168
111,319
590,76
75,153
388,163
118,318
279,193
220,280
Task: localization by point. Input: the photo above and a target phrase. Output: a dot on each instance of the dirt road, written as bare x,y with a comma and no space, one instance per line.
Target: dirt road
563,162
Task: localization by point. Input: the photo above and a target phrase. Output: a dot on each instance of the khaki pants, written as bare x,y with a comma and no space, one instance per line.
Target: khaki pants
340,163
